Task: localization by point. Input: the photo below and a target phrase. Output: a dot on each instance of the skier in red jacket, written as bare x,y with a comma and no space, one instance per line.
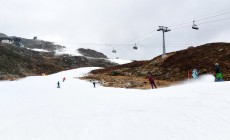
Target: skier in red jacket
151,80
64,79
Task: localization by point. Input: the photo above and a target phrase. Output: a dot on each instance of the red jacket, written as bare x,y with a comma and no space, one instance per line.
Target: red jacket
150,77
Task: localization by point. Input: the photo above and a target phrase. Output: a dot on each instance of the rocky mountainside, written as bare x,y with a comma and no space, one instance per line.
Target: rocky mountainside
31,43
3,35
40,44
91,53
18,62
168,70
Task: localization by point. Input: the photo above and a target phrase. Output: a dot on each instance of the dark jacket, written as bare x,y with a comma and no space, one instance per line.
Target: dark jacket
217,69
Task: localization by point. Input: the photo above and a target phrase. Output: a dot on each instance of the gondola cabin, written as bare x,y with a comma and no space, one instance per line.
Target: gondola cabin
114,51
135,47
194,26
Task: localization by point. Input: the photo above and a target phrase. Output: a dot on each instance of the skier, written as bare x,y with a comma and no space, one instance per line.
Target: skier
64,79
151,80
194,73
58,84
218,76
94,84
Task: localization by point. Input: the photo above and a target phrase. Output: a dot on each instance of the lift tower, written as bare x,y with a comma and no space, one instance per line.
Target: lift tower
163,29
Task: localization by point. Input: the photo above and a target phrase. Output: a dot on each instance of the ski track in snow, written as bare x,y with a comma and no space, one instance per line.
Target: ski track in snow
34,109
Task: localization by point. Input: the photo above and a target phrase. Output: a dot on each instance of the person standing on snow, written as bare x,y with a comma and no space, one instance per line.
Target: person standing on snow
64,79
218,76
94,84
194,73
58,84
151,80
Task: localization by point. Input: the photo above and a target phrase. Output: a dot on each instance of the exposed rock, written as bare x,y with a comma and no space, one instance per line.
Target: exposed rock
40,44
91,53
31,43
17,62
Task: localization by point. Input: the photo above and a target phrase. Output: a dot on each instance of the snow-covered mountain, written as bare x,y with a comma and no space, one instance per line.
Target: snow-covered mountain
34,108
17,62
21,57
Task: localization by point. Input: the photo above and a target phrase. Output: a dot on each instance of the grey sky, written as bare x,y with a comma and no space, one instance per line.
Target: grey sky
94,23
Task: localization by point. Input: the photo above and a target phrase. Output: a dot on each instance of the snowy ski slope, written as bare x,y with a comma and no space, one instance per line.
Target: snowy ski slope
34,109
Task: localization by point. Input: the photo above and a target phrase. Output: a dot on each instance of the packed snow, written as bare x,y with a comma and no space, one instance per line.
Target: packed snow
39,50
73,52
34,108
120,61
69,51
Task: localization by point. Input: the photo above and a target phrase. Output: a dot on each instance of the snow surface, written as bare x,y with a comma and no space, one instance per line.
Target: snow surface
120,61
74,52
69,51
38,50
34,109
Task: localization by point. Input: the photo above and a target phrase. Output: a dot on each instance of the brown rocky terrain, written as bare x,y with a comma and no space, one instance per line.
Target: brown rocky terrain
168,70
17,62
91,53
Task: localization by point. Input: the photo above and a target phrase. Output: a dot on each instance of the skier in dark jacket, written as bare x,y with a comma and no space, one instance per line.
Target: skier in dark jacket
94,84
58,84
218,76
151,80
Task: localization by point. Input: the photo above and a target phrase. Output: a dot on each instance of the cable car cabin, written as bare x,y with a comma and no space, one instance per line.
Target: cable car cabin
135,47
194,26
114,51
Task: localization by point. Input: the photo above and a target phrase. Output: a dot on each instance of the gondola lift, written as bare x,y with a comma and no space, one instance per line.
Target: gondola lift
194,26
135,47
114,51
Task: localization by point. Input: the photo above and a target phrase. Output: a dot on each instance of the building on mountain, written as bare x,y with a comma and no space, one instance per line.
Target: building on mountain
11,40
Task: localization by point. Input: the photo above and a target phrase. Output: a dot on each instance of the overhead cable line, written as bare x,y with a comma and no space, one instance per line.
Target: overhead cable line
133,40
147,38
215,20
203,23
199,19
183,23
144,37
213,16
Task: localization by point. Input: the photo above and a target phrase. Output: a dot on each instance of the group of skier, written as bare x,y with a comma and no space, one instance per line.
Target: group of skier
218,77
218,74
63,80
58,83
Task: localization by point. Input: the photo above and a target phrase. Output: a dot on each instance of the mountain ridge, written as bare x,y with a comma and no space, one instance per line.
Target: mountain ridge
169,70
19,59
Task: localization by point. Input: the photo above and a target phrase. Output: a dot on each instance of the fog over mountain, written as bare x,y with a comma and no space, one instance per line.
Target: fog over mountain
106,24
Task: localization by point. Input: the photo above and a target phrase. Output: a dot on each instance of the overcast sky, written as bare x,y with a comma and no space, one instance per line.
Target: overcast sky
106,24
